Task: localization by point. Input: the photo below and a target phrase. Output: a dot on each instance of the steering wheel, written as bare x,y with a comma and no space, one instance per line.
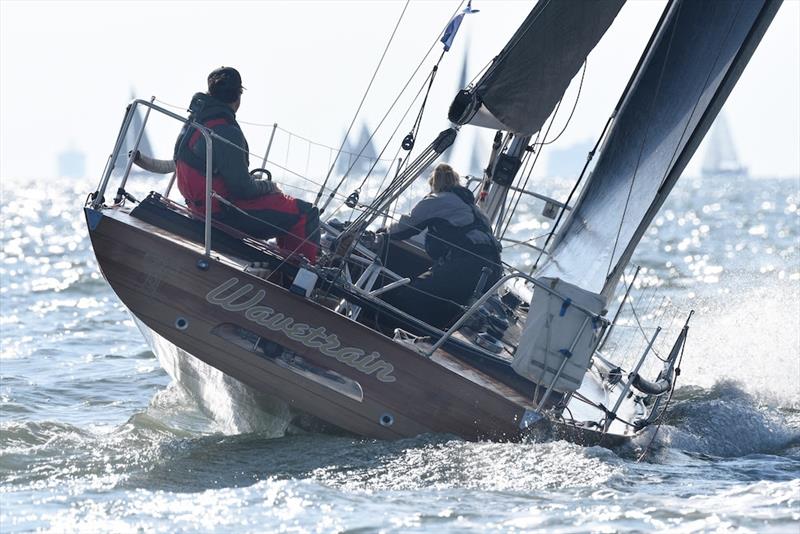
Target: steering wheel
262,171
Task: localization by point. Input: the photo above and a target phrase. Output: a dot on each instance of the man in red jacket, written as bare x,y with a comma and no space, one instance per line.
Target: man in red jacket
267,211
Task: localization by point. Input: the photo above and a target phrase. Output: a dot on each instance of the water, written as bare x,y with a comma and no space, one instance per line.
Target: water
93,437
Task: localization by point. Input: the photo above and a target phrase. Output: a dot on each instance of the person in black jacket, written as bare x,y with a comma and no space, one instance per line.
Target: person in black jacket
460,242
268,212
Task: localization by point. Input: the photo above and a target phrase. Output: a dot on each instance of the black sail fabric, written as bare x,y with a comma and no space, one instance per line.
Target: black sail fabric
695,59
529,76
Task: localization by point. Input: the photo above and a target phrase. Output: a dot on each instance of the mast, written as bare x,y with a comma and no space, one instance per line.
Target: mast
525,83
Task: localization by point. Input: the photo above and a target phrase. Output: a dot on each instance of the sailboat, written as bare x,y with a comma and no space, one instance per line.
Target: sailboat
720,158
135,138
527,355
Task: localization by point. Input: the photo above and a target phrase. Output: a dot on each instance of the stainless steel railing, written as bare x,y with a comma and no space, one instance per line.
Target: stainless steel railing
480,302
97,201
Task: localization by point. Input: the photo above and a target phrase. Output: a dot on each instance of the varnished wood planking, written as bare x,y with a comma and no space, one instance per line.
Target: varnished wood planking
425,391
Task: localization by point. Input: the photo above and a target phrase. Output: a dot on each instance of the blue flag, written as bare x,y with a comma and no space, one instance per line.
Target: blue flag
454,24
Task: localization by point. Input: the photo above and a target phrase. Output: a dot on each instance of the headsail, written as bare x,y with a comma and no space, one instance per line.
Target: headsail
693,62
527,79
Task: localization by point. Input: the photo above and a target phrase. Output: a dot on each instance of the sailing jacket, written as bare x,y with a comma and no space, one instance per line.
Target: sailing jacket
230,177
455,225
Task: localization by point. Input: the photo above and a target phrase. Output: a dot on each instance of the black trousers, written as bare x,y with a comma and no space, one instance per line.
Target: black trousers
435,296
294,222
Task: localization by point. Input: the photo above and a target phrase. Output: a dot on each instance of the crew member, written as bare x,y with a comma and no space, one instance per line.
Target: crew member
269,212
459,241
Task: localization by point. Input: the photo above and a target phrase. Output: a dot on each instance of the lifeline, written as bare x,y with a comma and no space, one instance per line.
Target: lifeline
313,338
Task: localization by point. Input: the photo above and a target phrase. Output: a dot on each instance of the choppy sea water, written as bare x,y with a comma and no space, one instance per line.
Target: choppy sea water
94,437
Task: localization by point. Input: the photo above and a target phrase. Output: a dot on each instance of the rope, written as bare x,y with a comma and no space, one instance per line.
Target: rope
363,98
574,107
397,98
660,419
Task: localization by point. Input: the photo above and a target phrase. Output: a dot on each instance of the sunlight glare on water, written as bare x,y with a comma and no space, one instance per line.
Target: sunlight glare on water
94,437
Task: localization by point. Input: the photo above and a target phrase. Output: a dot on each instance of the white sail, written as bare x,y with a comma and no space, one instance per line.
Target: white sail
720,157
130,142
673,99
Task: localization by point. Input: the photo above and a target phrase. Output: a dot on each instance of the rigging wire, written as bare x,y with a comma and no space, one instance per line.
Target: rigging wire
545,142
391,107
363,98
530,171
408,141
399,123
563,210
273,125
667,403
524,243
397,98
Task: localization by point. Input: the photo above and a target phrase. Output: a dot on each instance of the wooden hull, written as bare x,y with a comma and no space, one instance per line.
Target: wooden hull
282,344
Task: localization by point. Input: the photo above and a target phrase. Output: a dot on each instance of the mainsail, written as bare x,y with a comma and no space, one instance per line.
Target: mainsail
529,76
695,58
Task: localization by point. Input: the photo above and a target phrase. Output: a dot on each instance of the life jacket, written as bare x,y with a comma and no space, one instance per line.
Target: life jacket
190,160
191,171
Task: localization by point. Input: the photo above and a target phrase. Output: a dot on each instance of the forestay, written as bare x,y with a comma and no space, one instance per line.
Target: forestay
529,76
693,62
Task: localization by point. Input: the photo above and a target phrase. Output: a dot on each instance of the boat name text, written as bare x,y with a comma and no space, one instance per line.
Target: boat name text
312,337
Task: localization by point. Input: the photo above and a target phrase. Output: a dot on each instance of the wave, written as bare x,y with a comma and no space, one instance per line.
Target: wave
722,421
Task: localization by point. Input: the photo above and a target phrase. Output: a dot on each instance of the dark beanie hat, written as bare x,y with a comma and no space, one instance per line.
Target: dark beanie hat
225,84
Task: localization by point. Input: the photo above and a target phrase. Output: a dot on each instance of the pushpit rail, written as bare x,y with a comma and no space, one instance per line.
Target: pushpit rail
98,196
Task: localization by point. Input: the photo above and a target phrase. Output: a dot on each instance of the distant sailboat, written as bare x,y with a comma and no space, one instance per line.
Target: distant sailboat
72,163
145,147
720,157
358,156
478,152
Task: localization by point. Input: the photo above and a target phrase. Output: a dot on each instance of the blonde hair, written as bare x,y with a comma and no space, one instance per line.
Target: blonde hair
443,178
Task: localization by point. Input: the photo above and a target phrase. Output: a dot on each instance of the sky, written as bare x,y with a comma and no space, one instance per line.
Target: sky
68,69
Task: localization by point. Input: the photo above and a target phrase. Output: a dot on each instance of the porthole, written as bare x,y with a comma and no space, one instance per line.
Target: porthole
387,419
181,323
